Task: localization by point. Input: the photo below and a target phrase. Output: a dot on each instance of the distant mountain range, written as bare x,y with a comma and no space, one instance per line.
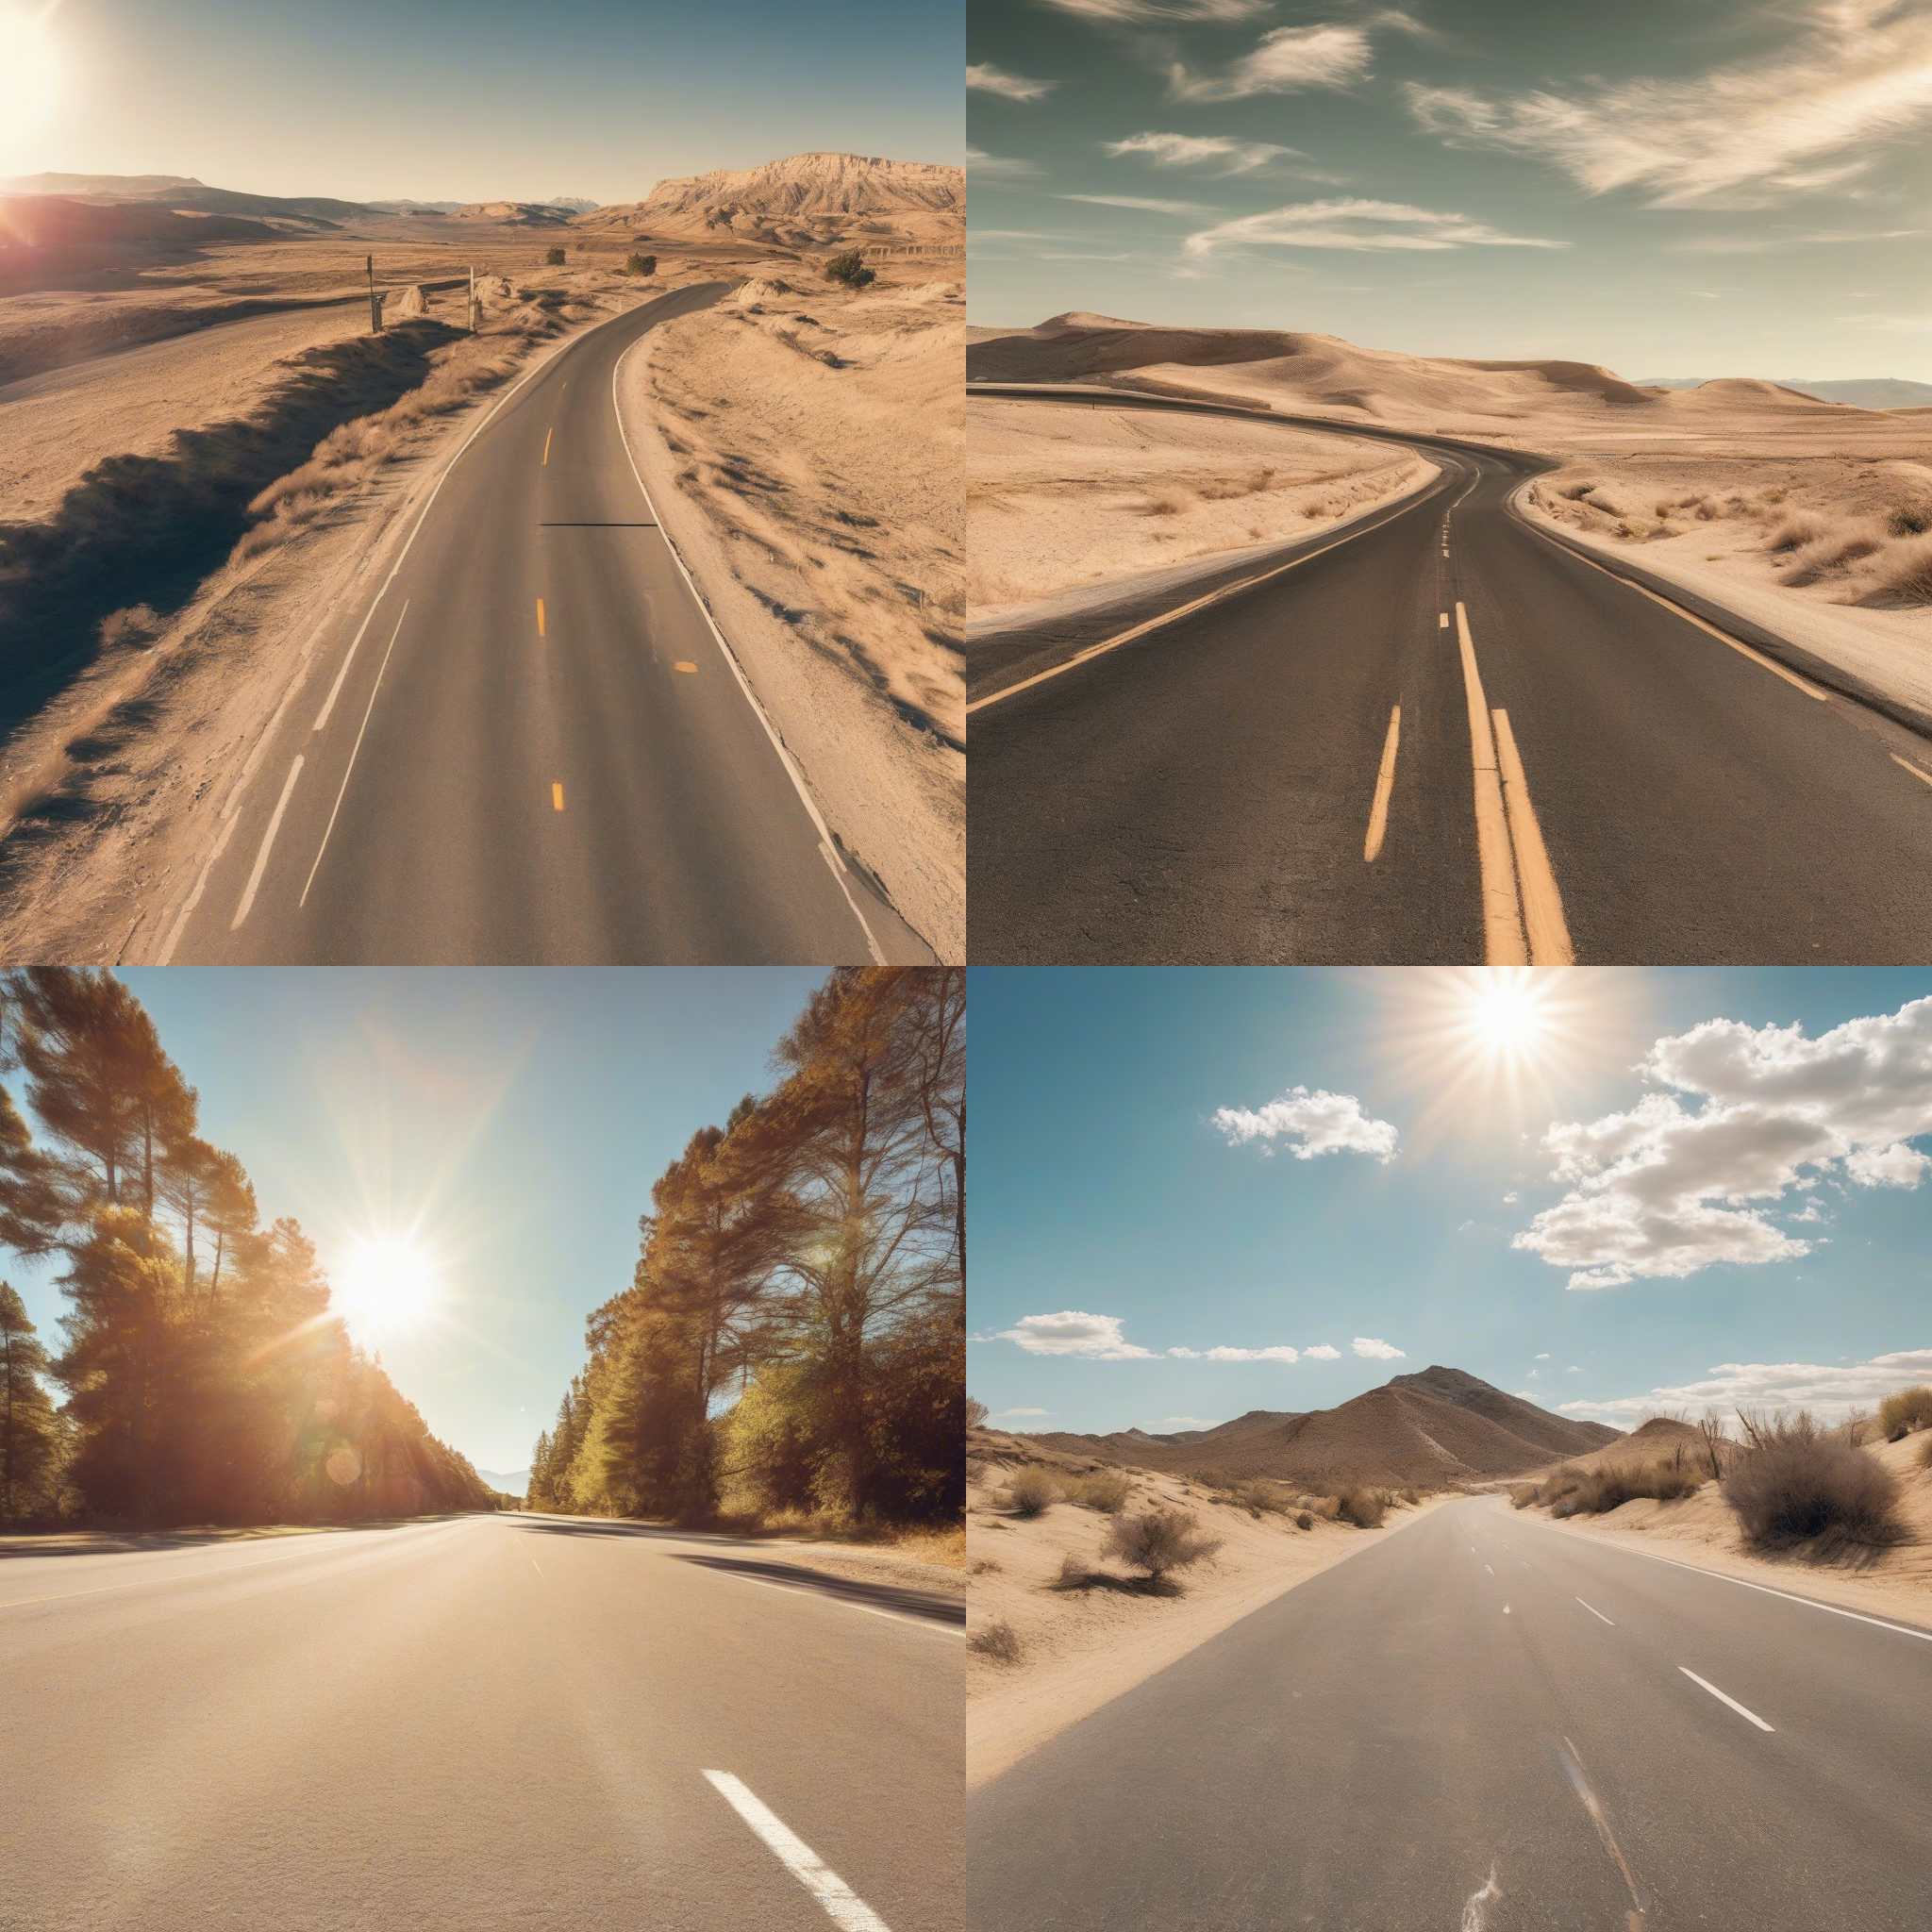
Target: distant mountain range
1439,1425
512,1482
1861,392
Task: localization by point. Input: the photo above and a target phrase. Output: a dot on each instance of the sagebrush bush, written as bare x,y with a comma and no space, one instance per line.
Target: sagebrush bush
1909,520
552,257
1160,1541
850,269
1363,1508
1904,1411
1107,1492
1031,1491
1523,1496
1000,1641
640,264
1304,1521
1799,528
1903,576
1798,1484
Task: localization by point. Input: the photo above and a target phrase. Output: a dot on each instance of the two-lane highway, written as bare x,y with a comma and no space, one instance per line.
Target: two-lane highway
526,743
1436,737
478,1721
1488,1723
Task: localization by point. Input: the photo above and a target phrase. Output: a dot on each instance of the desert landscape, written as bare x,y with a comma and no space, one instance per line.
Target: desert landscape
1810,514
205,442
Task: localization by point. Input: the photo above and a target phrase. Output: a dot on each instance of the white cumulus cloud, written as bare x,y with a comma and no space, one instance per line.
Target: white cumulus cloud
1074,1332
1375,1351
1323,1353
1310,1122
1830,1391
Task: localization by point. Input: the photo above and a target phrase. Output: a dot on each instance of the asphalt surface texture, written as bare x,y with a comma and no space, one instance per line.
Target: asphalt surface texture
1484,1724
1577,773
526,746
519,1722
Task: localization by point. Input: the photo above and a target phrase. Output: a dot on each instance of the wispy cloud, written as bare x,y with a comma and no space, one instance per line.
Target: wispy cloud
1103,1338
1288,61
1196,150
1830,1390
1142,12
1310,1122
1007,1415
1350,223
1771,242
1145,203
1666,1190
999,167
986,79
1750,135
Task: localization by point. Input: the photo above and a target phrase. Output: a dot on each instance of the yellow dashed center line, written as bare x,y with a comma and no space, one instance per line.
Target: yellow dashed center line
557,797
547,435
685,665
1385,781
541,632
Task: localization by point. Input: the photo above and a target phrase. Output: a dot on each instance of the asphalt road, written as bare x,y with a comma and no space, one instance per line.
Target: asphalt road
1577,772
511,1721
525,744
1486,1724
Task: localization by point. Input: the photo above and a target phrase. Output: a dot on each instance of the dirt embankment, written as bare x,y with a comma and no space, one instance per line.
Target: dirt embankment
802,445
1080,1627
1701,1528
1060,497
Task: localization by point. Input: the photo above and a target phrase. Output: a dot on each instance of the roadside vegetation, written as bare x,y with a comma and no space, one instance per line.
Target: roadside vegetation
788,1354
205,1378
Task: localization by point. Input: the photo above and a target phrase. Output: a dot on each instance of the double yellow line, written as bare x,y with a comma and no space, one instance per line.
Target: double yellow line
1522,910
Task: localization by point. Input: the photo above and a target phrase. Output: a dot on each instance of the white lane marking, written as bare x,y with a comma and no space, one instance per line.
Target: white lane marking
1594,1611
335,690
1441,620
1703,1684
890,1616
534,1565
1506,1609
261,744
1475,1914
1923,777
838,1900
268,838
827,847
1487,1567
343,789
1167,617
1744,1583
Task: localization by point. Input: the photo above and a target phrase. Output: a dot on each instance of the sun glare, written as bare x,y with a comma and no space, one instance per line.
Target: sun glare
1510,1011
29,73
388,1286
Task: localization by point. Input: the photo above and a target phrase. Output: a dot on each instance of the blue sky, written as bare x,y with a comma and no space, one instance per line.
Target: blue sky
1134,1135
513,1119
458,100
1735,188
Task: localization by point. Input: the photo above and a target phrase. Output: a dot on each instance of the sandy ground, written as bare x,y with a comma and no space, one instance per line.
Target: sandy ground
1060,498
1080,1649
802,445
99,814
1823,550
1701,1529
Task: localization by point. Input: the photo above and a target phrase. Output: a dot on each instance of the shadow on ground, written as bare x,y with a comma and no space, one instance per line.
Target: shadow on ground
110,1542
884,1596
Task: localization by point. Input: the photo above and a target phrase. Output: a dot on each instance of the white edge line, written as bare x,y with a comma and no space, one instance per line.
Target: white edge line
1704,1684
1811,1603
930,1628
837,1899
1594,1611
268,839
502,402
827,845
341,791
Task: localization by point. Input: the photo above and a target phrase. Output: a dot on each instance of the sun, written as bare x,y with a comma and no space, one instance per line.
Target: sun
1510,1011
29,71
388,1286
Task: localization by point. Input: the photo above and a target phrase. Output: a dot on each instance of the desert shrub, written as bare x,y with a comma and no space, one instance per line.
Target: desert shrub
1074,1574
1831,552
1363,1508
140,624
1904,1411
1304,1521
1798,1484
1799,528
1107,1492
850,269
975,1412
1903,576
1523,1496
1000,1641
1031,1491
1925,1453
1160,1541
1260,1497
1168,503
982,1566
640,264
552,257
1411,1496
1909,520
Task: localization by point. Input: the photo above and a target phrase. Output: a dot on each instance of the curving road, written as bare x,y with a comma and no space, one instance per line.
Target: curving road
1487,1723
529,746
1578,770
474,1724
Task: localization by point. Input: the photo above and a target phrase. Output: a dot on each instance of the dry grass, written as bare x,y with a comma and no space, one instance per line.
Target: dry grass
1106,1490
1031,1491
1364,1508
1903,576
1798,1484
1904,1411
999,1641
